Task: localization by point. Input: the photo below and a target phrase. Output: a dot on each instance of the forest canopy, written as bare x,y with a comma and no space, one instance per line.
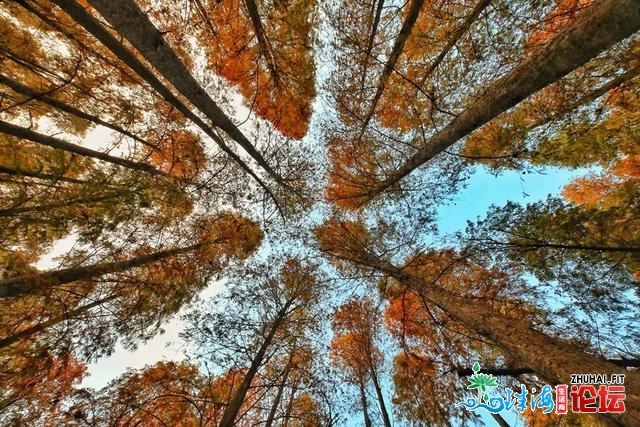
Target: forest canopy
272,179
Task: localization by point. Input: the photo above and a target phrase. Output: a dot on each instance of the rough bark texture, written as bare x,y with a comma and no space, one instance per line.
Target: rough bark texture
232,410
21,285
24,133
40,327
605,23
80,15
127,18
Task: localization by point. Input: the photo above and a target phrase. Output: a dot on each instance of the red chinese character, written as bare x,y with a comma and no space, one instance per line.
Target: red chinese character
561,398
611,398
583,398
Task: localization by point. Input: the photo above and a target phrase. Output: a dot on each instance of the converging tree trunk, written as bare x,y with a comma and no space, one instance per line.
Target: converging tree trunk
603,24
21,285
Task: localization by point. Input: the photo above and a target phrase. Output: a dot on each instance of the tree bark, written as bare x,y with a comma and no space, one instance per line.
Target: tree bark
601,25
276,401
263,43
396,51
16,171
40,327
552,359
383,408
24,133
46,99
365,409
21,285
232,410
80,15
372,36
56,205
127,18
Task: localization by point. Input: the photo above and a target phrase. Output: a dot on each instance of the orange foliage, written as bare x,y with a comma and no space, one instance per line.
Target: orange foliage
179,153
559,18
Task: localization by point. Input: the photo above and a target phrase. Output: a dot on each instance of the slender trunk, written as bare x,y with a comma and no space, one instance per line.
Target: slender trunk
17,171
551,358
365,408
21,285
287,414
501,421
482,4
276,401
263,43
372,37
601,25
56,205
127,18
396,51
80,15
45,98
383,407
231,411
545,245
40,327
24,133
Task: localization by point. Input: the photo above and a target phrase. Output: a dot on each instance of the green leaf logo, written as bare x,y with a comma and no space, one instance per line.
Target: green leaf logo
481,382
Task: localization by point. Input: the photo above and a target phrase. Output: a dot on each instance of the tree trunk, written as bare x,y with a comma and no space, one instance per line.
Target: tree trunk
232,410
24,133
365,409
21,285
127,18
501,421
552,359
514,372
383,408
263,43
276,401
80,15
16,171
396,51
601,25
46,99
56,205
372,36
40,327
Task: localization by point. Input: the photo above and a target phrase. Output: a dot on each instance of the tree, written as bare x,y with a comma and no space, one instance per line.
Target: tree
537,70
355,351
551,358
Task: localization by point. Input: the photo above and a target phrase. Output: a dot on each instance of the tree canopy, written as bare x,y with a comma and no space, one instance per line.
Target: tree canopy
272,178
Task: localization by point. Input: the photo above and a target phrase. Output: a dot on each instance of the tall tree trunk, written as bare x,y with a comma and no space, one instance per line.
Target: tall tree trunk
17,171
363,402
501,421
24,133
396,51
276,401
232,410
127,18
46,99
21,285
40,327
80,15
601,25
383,408
372,36
56,205
263,43
552,359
